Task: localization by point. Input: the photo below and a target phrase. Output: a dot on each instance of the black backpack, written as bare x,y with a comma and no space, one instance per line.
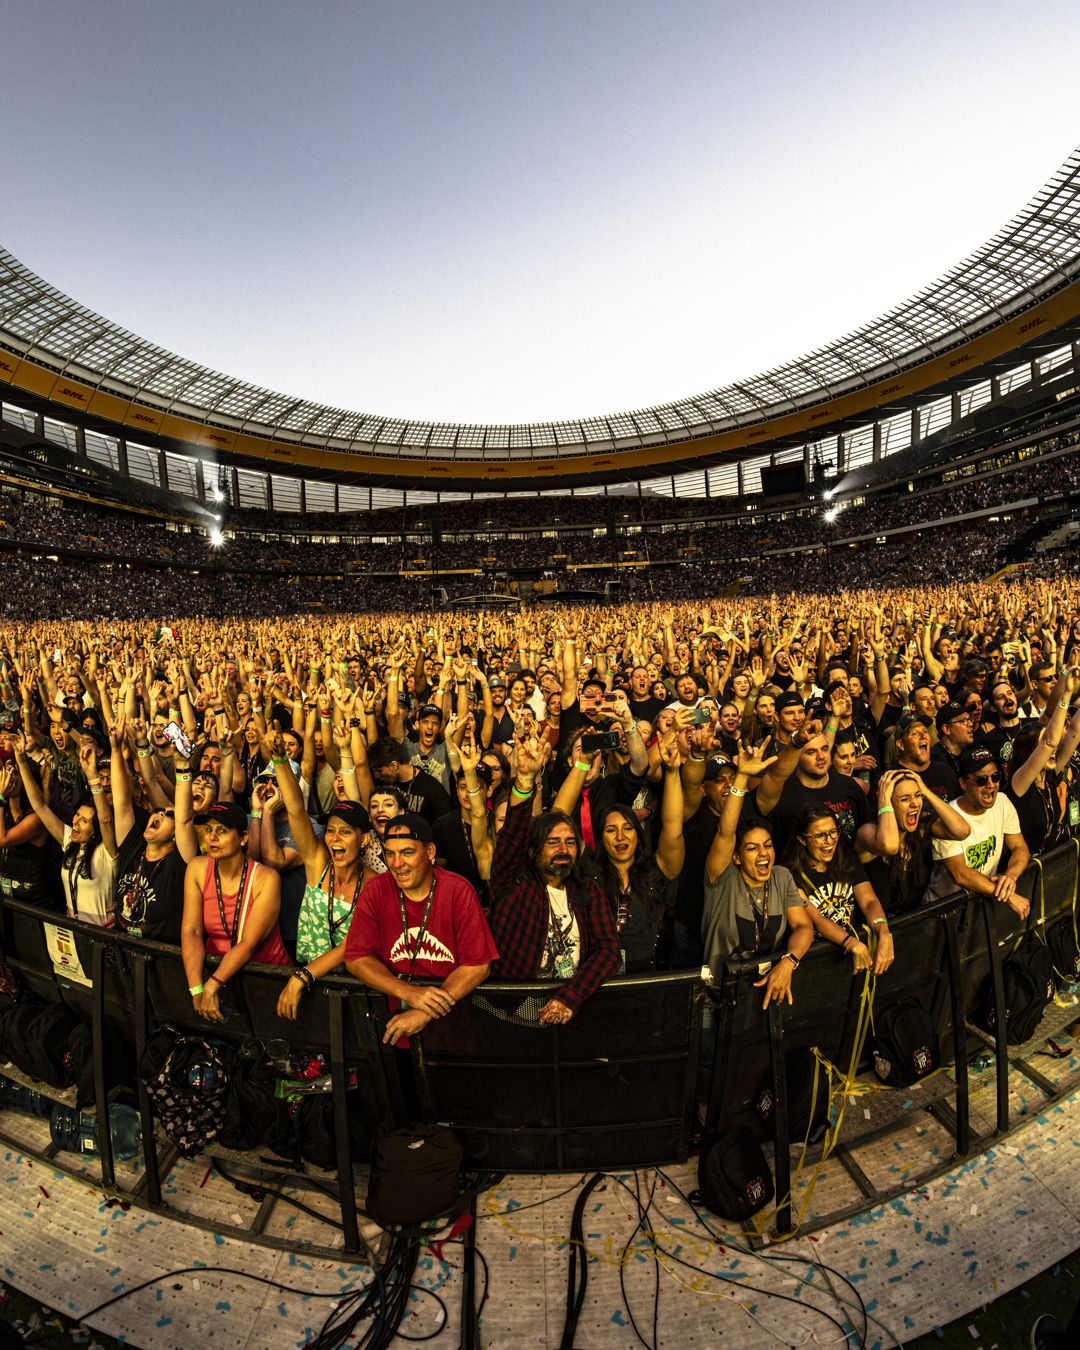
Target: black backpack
805,1115
35,1036
415,1175
905,1044
252,1116
1064,953
314,1123
733,1175
1028,980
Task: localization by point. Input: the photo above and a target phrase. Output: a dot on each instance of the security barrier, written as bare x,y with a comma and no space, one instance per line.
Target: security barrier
618,1086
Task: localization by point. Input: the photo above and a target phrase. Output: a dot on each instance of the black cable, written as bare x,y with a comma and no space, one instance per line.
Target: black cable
423,1289
204,1270
726,1279
724,1240
639,1228
248,1187
575,1296
533,1204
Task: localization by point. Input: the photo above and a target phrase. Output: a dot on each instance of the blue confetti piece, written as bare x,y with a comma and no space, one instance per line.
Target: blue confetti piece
223,1306
164,1321
618,1318
894,1259
219,1239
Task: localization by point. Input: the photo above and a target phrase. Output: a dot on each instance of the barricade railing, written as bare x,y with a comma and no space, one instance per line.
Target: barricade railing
620,1085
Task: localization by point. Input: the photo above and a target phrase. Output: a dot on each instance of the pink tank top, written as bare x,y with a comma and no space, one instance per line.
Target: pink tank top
219,940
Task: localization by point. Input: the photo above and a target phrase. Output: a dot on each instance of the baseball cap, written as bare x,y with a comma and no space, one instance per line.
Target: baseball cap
496,682
949,713
788,700
410,826
352,813
909,720
230,815
971,761
429,710
715,766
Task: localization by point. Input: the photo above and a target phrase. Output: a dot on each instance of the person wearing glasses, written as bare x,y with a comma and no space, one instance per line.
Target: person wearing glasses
836,889
972,864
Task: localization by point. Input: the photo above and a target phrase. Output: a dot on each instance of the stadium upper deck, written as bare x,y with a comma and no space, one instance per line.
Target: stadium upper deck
1018,293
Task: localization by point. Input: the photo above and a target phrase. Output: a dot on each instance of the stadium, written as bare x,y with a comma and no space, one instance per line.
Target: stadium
243,633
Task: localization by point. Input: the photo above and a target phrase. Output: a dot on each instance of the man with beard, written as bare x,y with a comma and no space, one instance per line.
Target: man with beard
955,735
999,740
802,776
548,921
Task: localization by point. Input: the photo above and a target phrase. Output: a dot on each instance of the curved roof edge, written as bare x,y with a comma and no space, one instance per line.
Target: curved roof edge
98,366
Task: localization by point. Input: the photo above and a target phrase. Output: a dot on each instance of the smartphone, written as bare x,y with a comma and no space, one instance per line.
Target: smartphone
599,740
176,734
699,716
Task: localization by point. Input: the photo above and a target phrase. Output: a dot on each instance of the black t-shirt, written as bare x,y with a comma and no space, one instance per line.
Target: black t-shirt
843,796
646,709
453,843
698,833
424,796
940,777
1000,740
149,895
639,914
833,891
1042,813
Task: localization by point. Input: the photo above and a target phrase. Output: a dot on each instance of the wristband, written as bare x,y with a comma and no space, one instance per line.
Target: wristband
277,759
196,989
697,759
886,811
144,752
354,722
850,938
474,792
97,791
518,793
583,767
737,792
1063,704
183,776
220,983
883,920
2,797
255,815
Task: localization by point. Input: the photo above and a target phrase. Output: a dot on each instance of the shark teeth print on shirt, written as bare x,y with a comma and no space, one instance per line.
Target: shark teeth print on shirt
431,949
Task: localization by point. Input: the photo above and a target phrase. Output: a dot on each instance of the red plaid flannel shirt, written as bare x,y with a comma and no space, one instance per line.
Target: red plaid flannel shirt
519,916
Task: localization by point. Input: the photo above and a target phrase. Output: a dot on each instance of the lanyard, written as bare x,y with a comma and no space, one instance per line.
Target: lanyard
761,919
423,924
333,926
238,906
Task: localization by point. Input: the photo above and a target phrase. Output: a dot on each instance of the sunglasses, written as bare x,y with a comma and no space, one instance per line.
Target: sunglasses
985,778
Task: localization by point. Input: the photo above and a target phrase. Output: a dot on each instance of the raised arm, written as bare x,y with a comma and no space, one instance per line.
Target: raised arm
308,845
34,796
671,847
512,845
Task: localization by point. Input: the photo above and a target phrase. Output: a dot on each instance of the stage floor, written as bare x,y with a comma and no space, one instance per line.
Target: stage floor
917,1263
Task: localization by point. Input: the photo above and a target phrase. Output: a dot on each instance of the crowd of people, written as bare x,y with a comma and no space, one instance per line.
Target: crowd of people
557,795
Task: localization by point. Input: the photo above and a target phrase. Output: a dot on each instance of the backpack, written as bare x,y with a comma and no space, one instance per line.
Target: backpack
1064,953
733,1175
252,1116
905,1044
415,1175
805,1115
35,1037
1028,980
187,1079
315,1131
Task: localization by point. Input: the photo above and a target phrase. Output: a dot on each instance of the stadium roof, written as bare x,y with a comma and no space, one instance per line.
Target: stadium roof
1035,257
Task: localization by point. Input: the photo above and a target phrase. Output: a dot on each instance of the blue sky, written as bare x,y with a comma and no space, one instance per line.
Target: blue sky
507,211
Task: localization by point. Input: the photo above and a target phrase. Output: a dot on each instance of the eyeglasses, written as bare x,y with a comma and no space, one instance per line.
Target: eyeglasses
985,778
1046,679
824,837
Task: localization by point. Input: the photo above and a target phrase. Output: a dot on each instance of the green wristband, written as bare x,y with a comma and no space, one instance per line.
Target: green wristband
195,990
886,811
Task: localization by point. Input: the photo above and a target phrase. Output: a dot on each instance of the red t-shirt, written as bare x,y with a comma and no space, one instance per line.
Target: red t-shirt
457,933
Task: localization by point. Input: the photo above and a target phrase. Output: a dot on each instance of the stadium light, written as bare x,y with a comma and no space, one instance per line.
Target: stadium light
829,494
831,514
216,539
216,494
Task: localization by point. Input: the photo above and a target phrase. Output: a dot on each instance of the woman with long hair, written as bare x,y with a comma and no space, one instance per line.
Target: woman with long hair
833,886
88,864
24,844
640,884
896,850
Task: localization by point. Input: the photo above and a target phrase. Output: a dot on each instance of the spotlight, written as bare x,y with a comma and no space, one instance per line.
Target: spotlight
831,514
216,494
216,538
829,494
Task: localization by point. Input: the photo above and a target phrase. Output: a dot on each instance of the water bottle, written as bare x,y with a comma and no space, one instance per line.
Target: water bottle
77,1131
27,1100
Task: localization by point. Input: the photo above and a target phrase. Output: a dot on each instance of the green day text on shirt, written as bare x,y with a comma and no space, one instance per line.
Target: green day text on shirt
977,855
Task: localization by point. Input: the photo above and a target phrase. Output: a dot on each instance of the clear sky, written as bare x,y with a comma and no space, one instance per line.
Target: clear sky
492,210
